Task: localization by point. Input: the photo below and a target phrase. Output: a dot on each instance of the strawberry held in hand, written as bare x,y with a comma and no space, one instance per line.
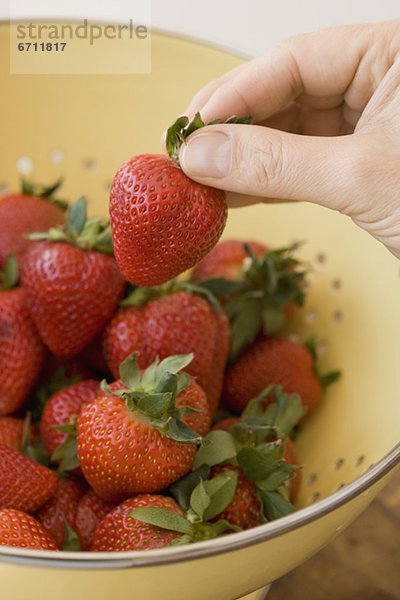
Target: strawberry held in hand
163,223
21,350
33,209
72,281
140,434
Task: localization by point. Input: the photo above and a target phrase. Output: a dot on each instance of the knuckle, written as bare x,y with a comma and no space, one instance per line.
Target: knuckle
261,162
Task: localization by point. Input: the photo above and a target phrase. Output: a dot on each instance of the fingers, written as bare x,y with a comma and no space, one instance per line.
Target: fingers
309,121
383,110
308,68
257,161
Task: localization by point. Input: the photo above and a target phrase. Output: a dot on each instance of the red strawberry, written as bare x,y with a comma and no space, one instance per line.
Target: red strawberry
289,456
176,322
21,350
91,510
227,259
274,360
11,432
258,442
245,508
140,436
24,484
118,531
60,511
72,286
63,408
163,222
20,530
31,210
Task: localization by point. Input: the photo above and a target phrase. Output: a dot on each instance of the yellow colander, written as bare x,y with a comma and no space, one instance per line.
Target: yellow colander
83,127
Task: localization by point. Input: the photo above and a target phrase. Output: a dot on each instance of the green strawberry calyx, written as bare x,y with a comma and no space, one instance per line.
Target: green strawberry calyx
256,302
153,393
256,445
86,233
140,296
183,127
28,188
72,542
31,445
9,275
206,501
66,454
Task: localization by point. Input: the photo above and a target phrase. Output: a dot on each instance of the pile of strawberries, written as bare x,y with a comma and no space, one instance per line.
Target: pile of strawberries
137,417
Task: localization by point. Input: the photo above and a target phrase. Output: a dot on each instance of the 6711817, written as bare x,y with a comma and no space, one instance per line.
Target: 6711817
42,46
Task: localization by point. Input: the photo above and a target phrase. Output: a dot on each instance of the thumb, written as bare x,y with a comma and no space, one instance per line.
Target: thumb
259,161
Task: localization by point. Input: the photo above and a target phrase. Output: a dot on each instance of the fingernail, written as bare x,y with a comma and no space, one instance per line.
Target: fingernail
207,155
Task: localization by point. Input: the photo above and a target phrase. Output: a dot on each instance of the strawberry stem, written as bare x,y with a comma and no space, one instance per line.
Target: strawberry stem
153,393
182,128
9,275
92,233
28,188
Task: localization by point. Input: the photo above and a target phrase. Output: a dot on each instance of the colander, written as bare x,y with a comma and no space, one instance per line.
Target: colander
83,127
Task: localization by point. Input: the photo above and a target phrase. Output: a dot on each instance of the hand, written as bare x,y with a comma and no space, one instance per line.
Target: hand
326,108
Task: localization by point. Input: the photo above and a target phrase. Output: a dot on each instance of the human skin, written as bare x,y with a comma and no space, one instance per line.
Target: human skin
326,125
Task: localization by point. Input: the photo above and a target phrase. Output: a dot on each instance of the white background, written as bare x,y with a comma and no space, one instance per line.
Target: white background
248,26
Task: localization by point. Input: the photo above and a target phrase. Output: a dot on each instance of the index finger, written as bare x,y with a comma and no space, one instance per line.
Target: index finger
313,67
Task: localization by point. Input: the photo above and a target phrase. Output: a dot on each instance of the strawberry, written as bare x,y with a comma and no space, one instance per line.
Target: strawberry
259,293
204,500
33,209
90,511
57,516
257,446
274,360
63,408
21,350
228,259
289,456
24,484
140,434
19,530
73,284
12,432
118,531
163,223
56,374
245,509
159,322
